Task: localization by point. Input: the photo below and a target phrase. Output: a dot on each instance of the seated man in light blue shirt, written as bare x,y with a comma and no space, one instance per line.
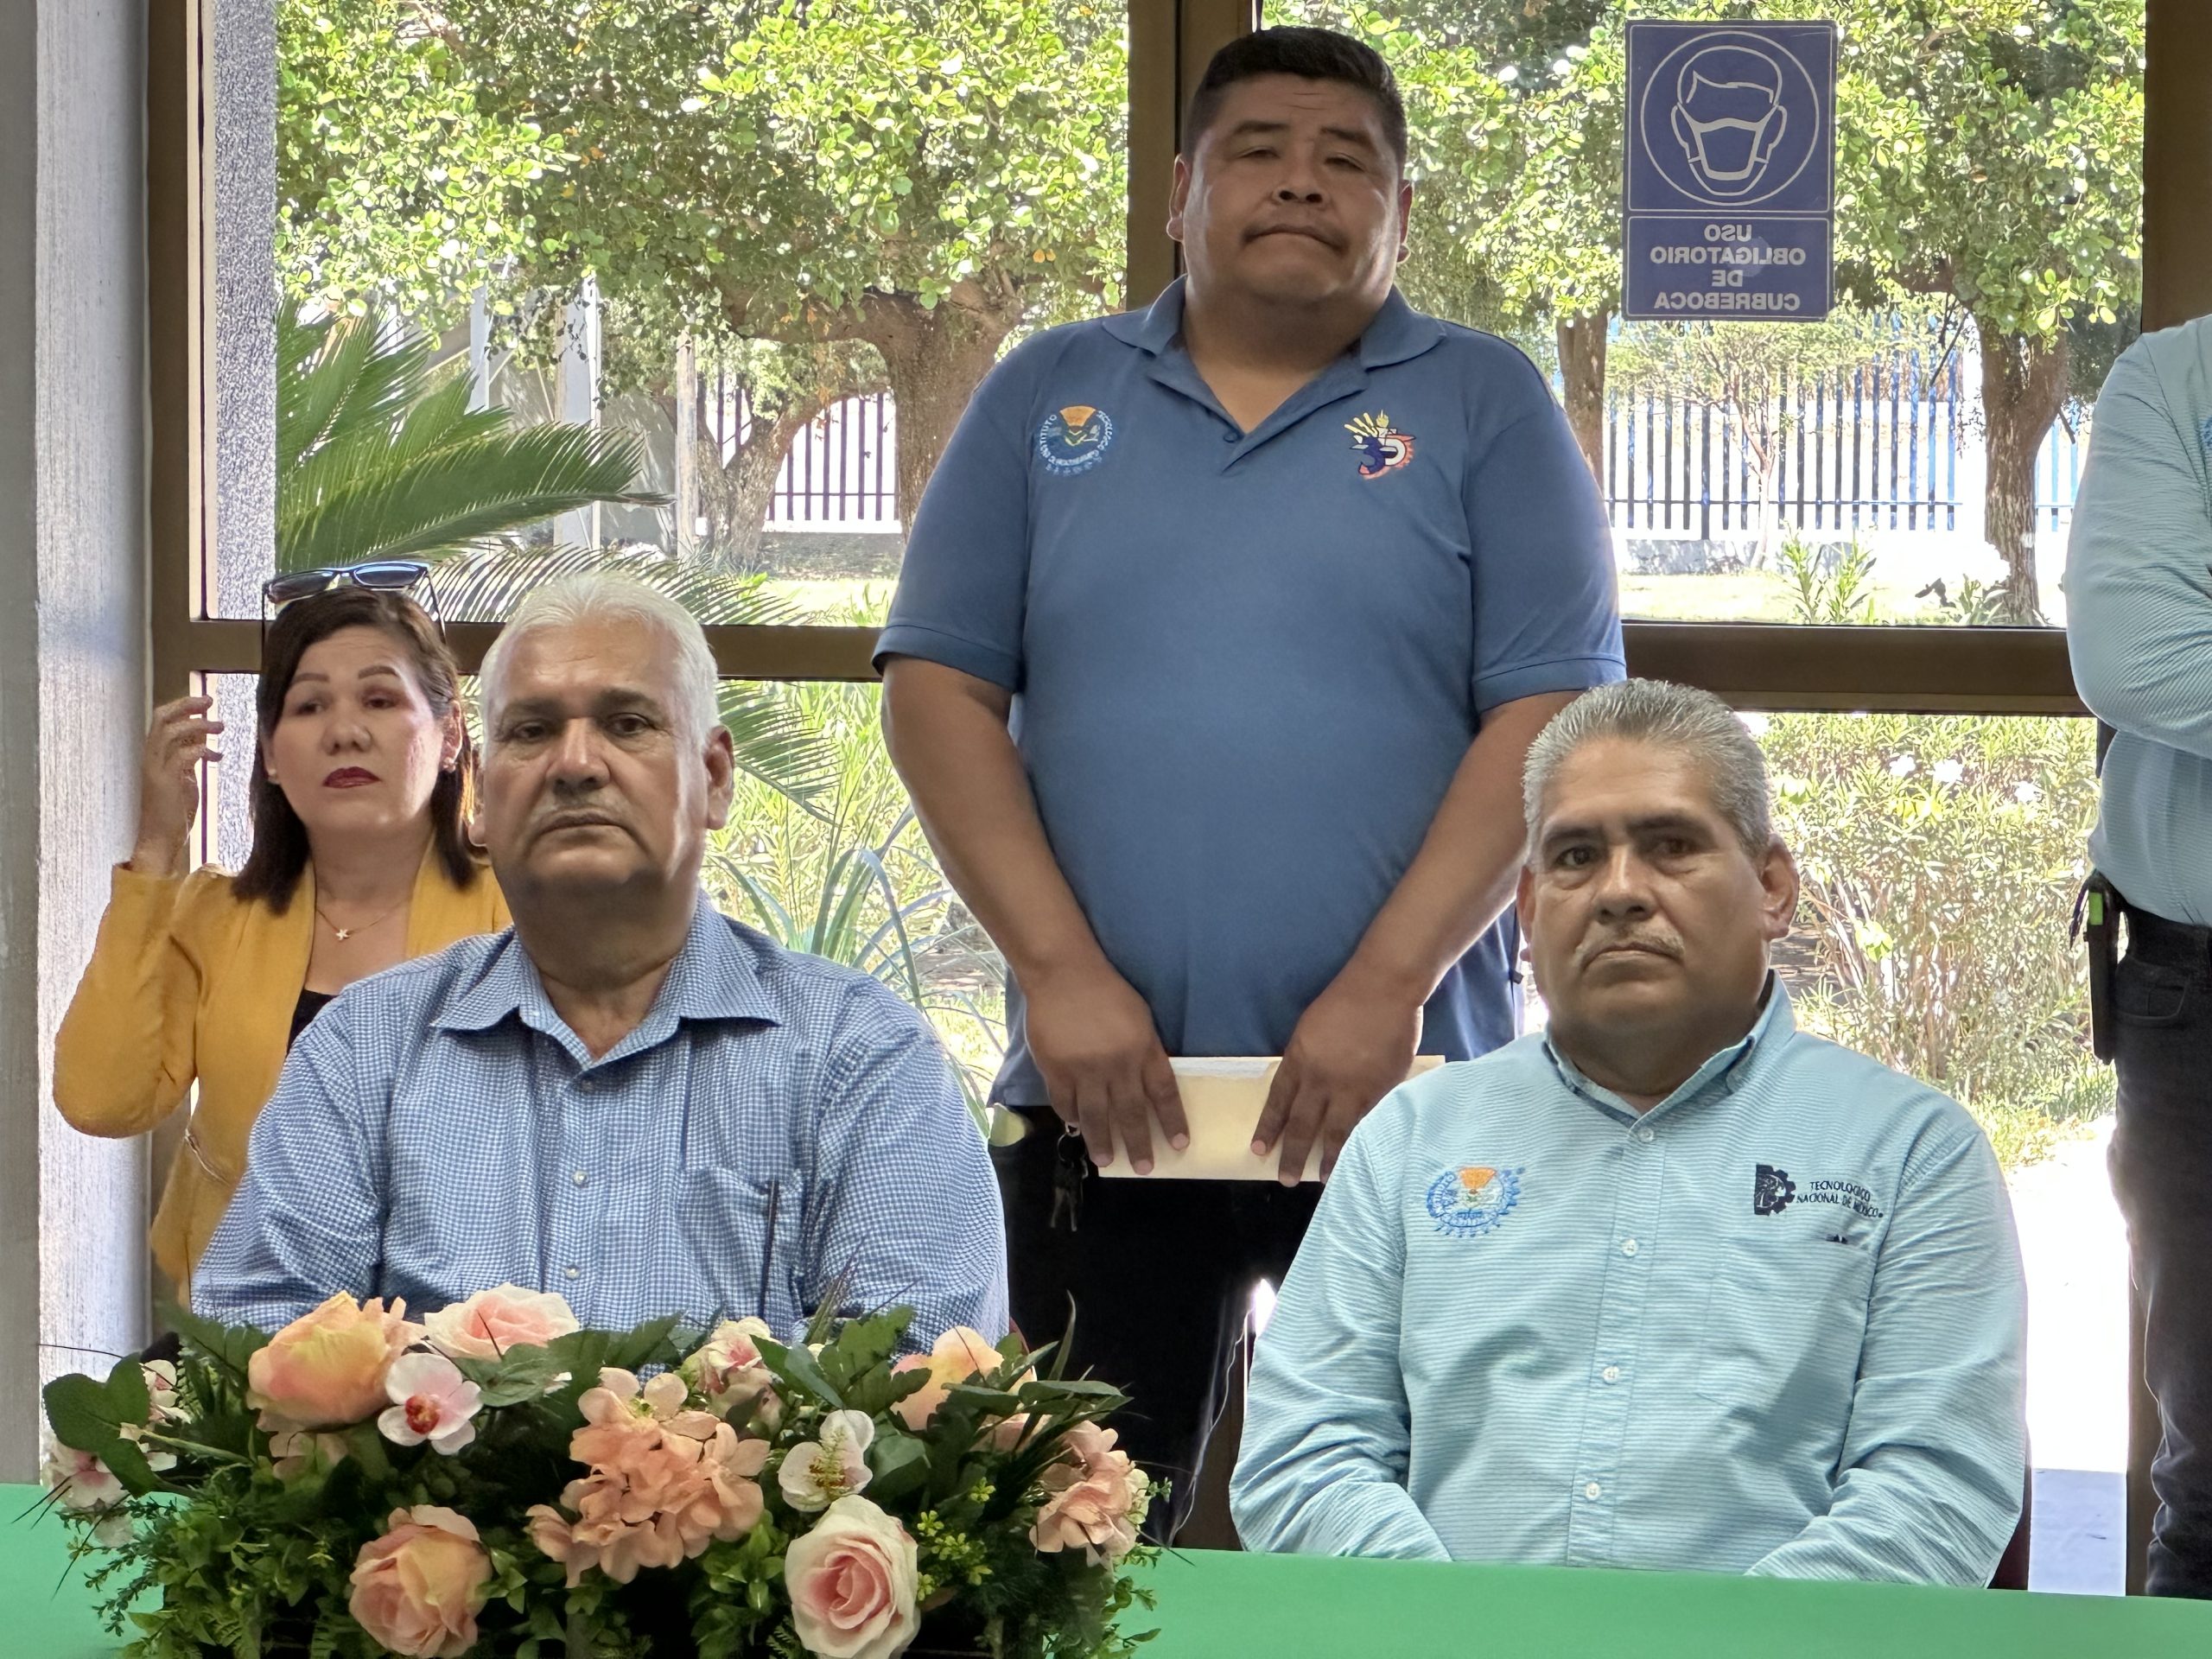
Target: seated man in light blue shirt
628,1098
1673,1285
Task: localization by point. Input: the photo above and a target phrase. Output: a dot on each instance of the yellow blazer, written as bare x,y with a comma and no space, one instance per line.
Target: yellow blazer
189,982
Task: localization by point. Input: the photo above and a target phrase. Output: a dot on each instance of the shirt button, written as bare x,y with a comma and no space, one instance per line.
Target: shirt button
583,1085
1231,437
580,1178
1611,1373
1643,1132
572,1273
1593,1490
1628,1247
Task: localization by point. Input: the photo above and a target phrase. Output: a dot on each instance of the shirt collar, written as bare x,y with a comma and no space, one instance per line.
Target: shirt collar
1729,1070
1397,333
715,976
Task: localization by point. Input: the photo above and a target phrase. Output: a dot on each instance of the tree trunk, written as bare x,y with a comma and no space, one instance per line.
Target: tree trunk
1582,367
736,495
935,358
2023,388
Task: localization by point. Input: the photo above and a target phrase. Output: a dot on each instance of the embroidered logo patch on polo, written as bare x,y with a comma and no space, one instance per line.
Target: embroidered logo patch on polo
1774,1191
1382,447
1474,1200
1074,439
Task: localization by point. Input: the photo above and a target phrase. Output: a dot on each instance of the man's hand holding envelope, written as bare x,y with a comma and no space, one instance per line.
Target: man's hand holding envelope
1221,1100
1111,1080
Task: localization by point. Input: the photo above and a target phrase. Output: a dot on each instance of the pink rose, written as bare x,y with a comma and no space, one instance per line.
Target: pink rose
327,1369
418,1589
852,1584
728,1368
492,1321
959,1355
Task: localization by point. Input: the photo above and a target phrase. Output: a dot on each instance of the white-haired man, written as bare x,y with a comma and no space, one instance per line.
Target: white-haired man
1671,1285
628,1098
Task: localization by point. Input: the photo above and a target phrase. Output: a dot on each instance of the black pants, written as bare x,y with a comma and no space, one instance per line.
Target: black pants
2162,1172
1160,1273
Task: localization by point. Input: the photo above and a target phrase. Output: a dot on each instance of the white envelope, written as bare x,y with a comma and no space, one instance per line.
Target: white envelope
1221,1101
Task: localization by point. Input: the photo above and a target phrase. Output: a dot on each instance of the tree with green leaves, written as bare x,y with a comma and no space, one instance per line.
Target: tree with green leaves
1991,153
395,182
921,178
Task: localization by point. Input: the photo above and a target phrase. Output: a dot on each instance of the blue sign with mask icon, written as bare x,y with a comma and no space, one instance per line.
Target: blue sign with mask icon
1730,194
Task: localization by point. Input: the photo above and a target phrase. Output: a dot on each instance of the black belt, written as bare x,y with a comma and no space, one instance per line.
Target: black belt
2175,944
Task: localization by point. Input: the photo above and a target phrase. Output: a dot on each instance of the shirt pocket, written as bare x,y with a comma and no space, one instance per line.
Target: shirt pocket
746,1233
1785,1323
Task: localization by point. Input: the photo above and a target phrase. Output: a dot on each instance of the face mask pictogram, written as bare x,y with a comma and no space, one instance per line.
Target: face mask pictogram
1728,118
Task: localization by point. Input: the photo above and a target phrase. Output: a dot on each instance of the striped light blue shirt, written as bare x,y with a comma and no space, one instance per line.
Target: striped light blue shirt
1774,1325
439,1129
2138,618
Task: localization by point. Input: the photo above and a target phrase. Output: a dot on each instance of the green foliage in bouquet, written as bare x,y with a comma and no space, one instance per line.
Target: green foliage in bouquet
500,1483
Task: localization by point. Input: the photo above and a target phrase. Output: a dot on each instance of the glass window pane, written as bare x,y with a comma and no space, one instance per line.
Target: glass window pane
775,249
1914,459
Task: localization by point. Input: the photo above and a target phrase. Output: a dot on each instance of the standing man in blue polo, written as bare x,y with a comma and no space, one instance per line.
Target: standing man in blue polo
1223,631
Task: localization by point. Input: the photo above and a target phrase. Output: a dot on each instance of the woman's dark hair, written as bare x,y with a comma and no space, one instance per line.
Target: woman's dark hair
1309,54
273,869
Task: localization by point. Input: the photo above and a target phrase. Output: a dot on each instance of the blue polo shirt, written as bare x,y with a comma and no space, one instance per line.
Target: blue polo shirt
1247,664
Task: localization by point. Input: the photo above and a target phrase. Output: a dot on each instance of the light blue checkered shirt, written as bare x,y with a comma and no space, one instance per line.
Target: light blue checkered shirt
2138,618
1775,1325
439,1129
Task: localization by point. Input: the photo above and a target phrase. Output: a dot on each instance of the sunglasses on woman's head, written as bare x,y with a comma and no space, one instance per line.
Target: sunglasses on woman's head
386,575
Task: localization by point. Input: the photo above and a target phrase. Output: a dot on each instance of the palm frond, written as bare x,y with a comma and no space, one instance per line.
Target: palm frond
458,496
337,377
380,455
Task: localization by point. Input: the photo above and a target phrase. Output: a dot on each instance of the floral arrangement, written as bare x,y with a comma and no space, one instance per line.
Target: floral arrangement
496,1481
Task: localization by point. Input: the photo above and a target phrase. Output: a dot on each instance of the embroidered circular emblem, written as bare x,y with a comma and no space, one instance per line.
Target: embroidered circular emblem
1074,439
1383,448
1474,1200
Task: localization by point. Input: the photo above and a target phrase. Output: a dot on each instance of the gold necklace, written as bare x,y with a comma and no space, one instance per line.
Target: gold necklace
342,934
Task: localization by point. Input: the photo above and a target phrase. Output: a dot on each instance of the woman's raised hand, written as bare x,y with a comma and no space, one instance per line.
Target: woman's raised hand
169,782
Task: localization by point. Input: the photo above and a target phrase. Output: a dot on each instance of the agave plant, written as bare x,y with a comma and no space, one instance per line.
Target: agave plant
378,456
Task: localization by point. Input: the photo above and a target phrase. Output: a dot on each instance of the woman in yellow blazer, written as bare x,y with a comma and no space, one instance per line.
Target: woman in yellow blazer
361,859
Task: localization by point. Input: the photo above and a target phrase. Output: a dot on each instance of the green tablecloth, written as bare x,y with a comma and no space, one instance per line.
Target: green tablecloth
1227,1606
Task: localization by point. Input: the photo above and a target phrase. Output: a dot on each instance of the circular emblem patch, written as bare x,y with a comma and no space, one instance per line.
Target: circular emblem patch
1074,439
1471,1200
